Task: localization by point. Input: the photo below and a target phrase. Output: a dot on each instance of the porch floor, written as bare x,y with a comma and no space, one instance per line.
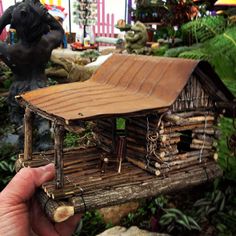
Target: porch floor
86,187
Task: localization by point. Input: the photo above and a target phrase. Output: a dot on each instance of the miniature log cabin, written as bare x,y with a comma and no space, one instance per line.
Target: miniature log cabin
170,112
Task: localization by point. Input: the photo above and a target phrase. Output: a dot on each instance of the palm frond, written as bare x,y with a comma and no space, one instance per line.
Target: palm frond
203,29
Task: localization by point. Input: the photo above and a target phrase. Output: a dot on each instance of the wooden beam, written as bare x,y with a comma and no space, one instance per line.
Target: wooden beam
28,131
58,154
56,211
59,211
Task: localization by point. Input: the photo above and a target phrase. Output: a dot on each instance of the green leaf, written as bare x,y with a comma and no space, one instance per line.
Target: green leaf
169,215
221,227
185,219
153,210
218,197
165,221
211,210
222,205
201,202
194,224
183,223
175,211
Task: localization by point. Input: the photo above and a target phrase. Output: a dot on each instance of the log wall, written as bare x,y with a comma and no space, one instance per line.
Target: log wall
186,135
105,131
192,97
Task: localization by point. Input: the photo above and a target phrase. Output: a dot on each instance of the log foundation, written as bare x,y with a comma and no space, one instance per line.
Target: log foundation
86,187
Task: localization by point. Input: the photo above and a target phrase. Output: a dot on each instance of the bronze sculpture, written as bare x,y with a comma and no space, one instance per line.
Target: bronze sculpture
38,33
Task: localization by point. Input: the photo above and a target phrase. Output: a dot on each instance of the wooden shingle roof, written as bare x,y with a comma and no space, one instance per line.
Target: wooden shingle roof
123,84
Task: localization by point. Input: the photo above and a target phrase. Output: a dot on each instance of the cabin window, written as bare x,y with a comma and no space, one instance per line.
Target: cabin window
185,141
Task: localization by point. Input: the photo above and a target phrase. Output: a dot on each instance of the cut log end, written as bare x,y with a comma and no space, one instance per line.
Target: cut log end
18,165
157,173
56,211
62,213
215,157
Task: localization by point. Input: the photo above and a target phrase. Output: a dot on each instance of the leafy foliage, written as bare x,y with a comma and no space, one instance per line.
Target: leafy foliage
91,224
5,76
4,117
174,52
92,55
71,139
219,51
202,29
85,137
7,164
222,51
227,160
217,208
174,218
157,215
51,82
2,102
159,51
197,54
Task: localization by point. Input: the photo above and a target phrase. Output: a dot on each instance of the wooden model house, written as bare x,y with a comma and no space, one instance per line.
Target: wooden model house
170,111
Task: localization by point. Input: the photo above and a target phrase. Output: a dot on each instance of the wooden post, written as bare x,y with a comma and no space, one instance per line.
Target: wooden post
113,120
58,154
120,153
28,130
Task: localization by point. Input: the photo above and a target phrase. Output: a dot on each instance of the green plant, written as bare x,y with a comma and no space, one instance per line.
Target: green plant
197,54
156,215
226,159
51,82
92,223
92,55
2,102
219,51
202,29
7,164
5,76
71,139
140,218
83,138
174,52
174,219
159,202
218,207
160,51
222,51
7,83
7,169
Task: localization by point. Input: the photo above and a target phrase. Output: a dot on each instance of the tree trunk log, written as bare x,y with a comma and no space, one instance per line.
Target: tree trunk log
56,211
143,165
183,179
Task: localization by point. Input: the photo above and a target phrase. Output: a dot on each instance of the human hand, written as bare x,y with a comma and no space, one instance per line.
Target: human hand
21,215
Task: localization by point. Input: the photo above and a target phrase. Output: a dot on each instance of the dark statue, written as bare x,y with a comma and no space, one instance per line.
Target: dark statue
38,34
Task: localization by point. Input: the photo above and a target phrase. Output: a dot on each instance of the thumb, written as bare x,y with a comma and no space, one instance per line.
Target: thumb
23,185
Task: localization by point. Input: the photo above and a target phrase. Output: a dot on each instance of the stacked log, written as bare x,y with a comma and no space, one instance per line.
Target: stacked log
161,144
105,130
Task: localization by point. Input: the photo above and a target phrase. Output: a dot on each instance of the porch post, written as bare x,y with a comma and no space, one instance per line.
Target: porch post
58,155
28,131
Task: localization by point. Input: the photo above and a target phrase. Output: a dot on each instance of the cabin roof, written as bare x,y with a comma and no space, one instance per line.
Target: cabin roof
124,84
